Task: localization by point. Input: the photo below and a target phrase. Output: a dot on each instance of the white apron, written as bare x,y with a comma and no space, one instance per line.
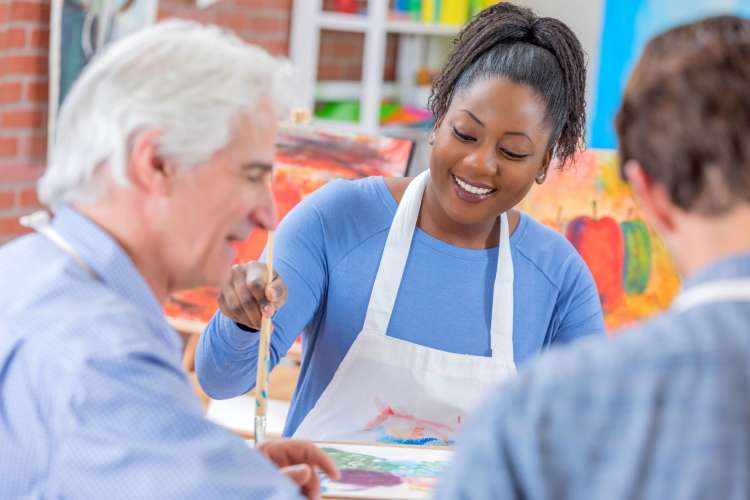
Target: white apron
390,390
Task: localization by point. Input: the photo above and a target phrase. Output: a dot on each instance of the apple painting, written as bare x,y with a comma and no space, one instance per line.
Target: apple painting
558,224
637,269
600,243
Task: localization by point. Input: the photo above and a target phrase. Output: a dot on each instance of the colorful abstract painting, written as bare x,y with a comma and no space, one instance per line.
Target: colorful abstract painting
305,160
387,472
591,205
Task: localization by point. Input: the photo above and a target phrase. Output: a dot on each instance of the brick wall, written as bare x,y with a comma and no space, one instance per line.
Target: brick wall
341,54
263,22
24,42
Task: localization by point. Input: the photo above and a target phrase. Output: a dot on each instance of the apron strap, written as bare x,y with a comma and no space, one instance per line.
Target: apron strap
501,325
40,222
393,261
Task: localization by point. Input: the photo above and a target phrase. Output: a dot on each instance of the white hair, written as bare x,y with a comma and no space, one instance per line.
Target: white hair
184,79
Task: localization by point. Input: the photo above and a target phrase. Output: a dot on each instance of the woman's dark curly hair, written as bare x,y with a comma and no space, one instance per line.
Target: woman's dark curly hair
508,41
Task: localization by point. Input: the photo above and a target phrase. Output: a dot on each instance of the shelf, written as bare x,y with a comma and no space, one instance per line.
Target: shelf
342,22
358,23
349,90
418,28
338,126
399,131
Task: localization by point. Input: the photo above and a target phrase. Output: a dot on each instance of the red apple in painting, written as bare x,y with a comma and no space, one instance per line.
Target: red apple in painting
600,243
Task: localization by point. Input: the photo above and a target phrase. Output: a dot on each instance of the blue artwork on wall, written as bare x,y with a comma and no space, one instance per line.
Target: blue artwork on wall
627,26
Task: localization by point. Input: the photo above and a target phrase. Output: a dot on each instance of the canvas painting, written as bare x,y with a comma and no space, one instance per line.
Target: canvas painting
305,160
627,26
384,472
594,208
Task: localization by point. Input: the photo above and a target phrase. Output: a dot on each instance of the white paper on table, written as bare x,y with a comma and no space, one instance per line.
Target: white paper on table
239,413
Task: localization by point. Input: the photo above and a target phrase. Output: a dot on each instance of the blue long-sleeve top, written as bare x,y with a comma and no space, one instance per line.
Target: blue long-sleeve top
327,250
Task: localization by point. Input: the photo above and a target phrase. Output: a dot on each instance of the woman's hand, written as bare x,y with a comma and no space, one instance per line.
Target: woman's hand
247,297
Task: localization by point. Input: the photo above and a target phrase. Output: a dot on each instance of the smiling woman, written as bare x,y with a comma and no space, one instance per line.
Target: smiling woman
416,296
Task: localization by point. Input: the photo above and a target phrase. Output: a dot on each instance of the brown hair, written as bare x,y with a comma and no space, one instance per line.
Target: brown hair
685,115
505,40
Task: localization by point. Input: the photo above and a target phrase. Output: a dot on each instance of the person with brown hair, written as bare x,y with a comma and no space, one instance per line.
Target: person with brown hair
662,410
416,296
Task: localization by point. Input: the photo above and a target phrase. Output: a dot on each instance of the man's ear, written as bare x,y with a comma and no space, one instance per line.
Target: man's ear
147,168
654,200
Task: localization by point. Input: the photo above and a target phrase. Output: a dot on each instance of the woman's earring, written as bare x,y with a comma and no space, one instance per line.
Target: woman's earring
431,140
540,178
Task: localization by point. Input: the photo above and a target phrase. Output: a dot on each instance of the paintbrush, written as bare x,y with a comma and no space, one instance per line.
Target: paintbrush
264,347
299,116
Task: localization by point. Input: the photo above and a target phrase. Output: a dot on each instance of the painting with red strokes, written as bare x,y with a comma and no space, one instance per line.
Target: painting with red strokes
305,160
392,426
594,208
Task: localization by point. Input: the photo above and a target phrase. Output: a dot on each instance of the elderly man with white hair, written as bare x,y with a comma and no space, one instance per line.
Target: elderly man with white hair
162,162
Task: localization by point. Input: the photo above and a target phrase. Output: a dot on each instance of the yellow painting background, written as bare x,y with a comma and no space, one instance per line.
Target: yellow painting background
593,186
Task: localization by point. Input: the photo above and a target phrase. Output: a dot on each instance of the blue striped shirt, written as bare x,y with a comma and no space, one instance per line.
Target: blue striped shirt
94,402
661,411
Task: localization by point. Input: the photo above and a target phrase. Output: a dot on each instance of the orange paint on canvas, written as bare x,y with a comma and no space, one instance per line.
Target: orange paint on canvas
305,160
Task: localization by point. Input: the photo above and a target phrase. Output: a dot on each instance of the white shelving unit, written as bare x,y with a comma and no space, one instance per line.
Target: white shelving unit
419,43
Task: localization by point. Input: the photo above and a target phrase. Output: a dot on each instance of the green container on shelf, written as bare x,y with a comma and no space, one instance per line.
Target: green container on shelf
347,111
415,9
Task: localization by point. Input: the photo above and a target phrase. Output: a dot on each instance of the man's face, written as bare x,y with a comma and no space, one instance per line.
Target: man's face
217,204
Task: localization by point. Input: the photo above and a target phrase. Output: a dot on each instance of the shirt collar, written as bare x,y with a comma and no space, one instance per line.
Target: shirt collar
733,267
110,262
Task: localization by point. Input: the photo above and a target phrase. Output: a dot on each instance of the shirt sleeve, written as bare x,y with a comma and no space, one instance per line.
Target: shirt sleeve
226,357
133,428
578,310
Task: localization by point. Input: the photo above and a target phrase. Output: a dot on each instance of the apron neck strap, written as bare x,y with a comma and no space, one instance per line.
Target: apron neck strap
40,222
393,262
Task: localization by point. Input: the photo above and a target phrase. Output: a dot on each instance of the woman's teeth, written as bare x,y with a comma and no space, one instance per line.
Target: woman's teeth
472,189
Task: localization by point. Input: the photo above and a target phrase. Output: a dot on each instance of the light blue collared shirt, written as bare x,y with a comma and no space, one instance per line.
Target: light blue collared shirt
660,411
94,402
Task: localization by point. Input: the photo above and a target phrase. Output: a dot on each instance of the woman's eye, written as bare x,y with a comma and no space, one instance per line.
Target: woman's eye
513,156
462,137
